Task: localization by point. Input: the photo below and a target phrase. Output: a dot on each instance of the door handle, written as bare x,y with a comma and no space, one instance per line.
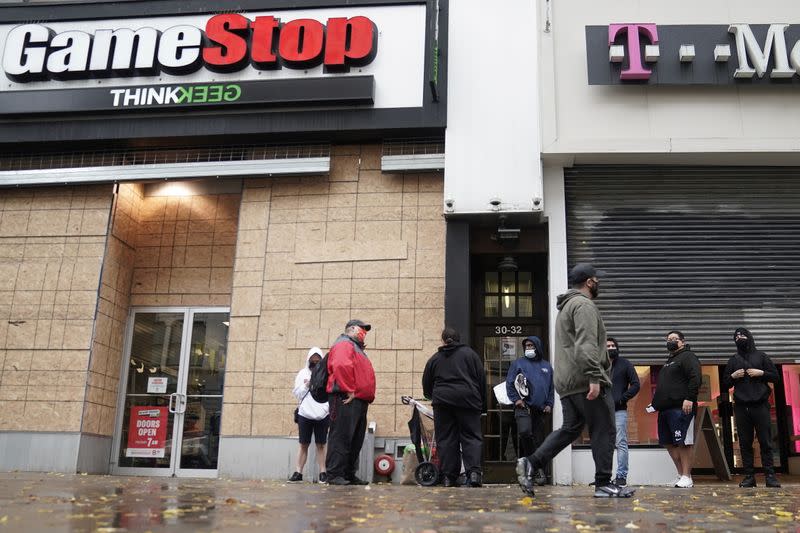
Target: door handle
171,398
181,405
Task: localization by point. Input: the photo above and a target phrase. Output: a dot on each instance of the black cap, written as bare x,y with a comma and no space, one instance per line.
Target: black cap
583,271
356,322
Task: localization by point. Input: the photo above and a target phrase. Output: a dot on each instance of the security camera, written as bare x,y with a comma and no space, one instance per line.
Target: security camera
495,203
448,205
537,201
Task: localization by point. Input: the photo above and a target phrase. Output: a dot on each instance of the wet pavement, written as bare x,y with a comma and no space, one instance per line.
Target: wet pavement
32,502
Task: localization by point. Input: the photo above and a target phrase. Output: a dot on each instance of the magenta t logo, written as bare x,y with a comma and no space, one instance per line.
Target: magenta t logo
635,70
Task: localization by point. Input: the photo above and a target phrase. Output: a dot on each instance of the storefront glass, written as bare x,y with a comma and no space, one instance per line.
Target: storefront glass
173,397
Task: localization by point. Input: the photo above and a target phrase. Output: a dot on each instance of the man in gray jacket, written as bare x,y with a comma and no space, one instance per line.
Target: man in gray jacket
582,371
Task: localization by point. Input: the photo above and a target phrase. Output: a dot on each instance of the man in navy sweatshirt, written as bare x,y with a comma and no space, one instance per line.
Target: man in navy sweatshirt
533,397
624,386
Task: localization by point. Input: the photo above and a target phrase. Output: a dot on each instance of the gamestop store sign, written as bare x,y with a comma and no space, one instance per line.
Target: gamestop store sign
367,56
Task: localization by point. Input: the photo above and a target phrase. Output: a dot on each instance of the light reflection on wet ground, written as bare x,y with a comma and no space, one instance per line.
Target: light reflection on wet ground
32,502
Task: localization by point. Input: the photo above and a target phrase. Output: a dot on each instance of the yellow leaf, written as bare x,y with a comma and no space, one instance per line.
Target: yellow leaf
784,513
640,509
527,500
4,519
756,517
358,520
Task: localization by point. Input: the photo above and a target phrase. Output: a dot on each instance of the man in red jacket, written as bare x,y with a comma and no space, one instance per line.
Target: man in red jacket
351,388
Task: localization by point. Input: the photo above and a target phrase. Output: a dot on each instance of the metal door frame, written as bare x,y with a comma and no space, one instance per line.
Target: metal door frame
174,469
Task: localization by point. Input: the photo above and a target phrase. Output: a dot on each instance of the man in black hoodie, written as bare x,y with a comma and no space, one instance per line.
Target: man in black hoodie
455,382
750,371
675,399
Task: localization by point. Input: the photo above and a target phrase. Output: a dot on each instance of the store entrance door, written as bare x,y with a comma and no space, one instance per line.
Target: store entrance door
510,304
169,415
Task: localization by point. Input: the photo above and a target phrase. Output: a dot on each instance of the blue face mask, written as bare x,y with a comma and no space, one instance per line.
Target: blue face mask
530,353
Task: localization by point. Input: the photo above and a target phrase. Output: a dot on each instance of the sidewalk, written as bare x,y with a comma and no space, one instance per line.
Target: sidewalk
32,502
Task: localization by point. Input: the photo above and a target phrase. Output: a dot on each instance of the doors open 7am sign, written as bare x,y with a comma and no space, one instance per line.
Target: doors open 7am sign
147,432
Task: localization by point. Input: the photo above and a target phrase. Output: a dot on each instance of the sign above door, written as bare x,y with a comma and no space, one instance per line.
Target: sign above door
653,54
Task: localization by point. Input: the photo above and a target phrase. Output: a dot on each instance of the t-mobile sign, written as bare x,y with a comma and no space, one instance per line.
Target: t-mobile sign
367,56
652,54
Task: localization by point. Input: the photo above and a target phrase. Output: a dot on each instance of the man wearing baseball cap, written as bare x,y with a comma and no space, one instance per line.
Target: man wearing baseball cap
351,388
582,380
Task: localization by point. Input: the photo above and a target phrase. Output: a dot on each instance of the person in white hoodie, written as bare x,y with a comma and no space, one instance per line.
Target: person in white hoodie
312,417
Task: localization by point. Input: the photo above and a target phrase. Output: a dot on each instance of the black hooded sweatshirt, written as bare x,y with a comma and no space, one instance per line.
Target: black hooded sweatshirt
454,377
678,380
749,390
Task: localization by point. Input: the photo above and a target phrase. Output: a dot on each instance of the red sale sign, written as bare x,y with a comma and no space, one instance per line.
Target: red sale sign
147,432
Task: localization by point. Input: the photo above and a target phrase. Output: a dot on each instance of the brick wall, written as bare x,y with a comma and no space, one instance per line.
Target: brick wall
52,242
312,252
184,250
112,312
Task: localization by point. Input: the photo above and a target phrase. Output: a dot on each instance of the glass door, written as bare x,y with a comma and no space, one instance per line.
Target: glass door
171,403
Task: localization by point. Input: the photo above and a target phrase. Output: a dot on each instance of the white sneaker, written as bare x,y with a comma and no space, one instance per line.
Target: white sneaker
676,481
685,482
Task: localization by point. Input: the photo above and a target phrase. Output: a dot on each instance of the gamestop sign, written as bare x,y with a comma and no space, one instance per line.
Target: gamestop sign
367,55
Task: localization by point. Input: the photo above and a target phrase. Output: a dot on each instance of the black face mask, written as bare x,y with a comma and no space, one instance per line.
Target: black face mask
741,344
613,353
311,365
594,290
672,346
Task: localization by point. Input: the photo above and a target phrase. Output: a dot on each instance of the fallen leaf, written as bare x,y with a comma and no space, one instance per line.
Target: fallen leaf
358,520
631,525
527,500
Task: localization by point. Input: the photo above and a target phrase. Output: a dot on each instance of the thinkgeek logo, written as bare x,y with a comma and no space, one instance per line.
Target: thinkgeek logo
228,43
196,94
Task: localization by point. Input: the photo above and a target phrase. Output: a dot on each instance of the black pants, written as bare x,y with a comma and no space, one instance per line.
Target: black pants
458,435
598,416
754,417
530,428
346,436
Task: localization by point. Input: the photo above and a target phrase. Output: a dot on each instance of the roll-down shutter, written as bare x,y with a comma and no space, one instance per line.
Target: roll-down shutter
703,250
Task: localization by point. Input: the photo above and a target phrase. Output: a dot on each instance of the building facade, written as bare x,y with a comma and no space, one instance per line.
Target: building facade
192,198
669,149
190,201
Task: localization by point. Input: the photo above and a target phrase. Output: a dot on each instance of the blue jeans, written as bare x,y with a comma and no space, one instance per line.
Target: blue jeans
622,443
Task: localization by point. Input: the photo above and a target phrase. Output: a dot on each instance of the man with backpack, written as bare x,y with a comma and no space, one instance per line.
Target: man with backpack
529,384
350,388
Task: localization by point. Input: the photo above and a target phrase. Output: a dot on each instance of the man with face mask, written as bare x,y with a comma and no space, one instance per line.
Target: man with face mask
312,419
624,386
749,372
351,388
582,379
675,399
530,409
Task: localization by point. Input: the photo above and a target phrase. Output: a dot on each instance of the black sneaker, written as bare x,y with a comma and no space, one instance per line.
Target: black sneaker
540,478
475,479
296,477
357,481
621,482
772,481
338,481
610,490
748,482
524,475
323,477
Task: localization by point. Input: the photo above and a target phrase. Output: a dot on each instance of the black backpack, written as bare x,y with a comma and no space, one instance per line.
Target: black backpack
318,383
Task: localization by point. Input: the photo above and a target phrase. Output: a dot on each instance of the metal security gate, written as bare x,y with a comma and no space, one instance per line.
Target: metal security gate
699,249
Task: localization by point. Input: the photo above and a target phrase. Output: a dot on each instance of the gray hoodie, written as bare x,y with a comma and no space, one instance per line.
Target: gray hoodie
580,348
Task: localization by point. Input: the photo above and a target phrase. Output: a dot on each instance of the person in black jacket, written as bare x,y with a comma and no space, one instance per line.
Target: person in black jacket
455,382
675,399
624,386
749,372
